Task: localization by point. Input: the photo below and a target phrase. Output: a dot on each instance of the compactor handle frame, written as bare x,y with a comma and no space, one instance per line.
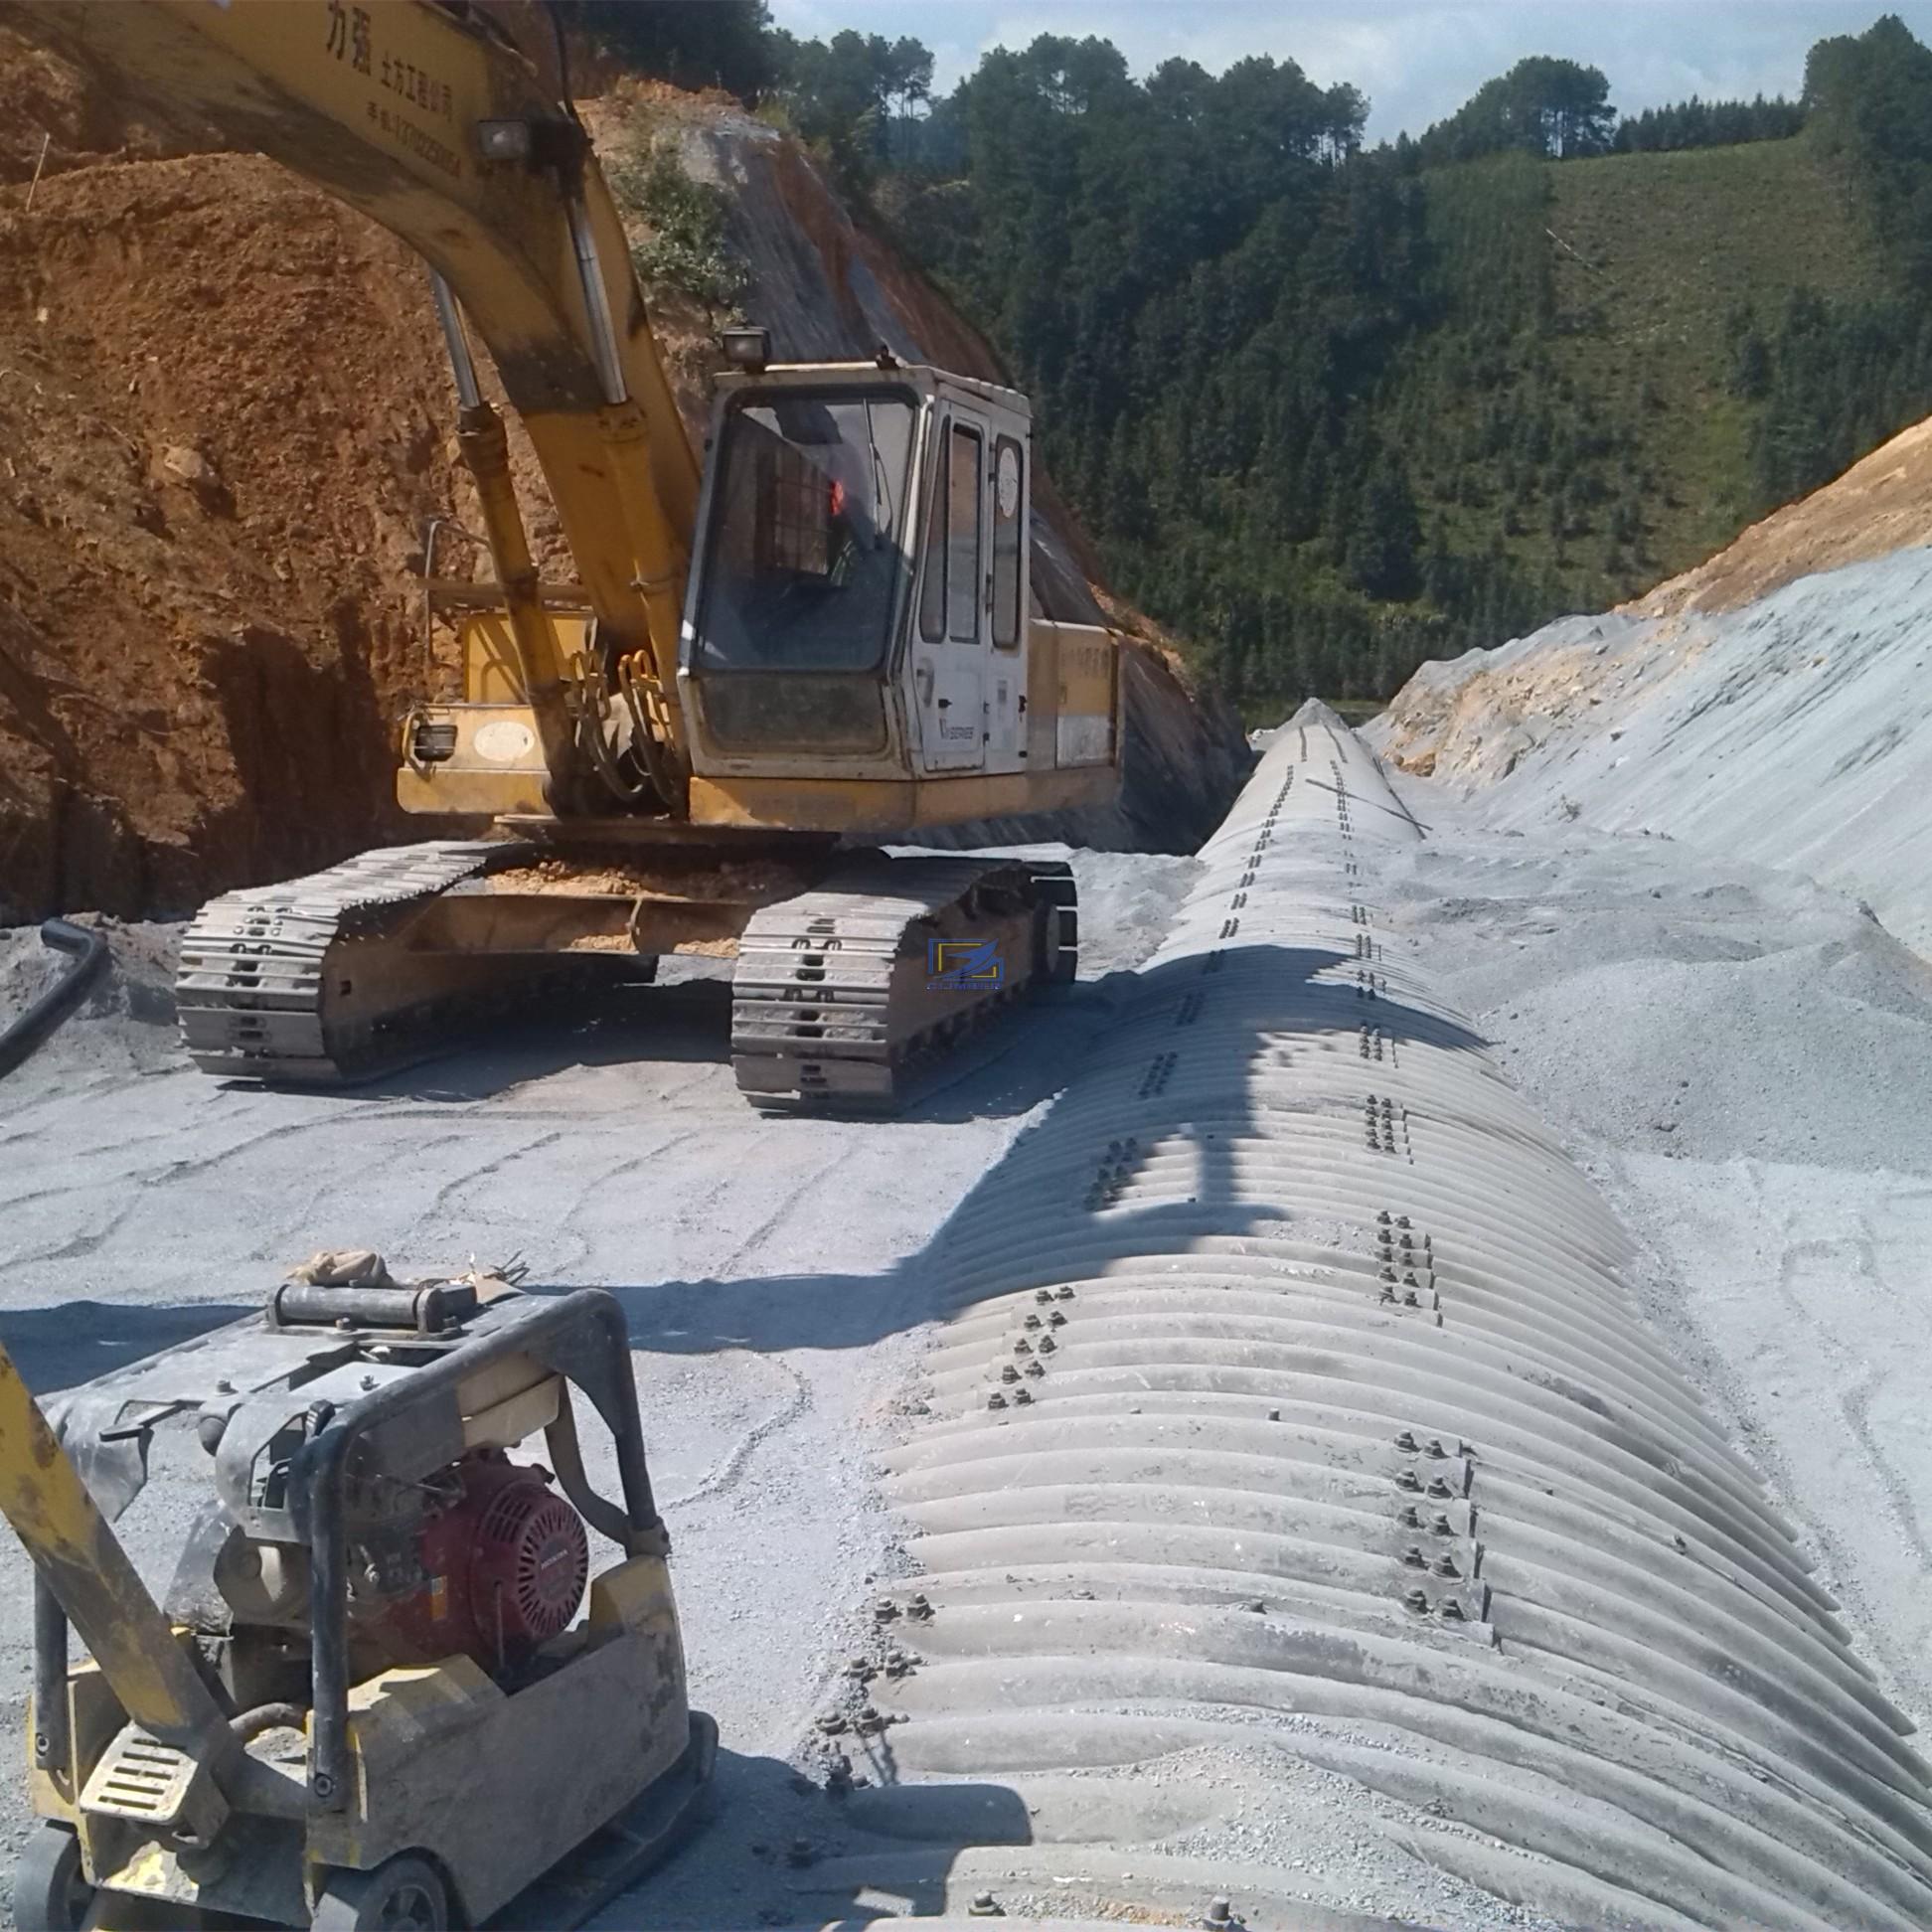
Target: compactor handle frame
581,1337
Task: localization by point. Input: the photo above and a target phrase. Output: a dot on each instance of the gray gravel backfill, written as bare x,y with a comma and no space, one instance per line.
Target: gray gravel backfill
1740,1058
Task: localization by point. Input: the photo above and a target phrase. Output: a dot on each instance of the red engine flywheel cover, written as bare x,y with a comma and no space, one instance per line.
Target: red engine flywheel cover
529,1560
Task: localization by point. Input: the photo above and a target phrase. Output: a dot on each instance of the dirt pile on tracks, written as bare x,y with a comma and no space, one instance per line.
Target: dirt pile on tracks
225,423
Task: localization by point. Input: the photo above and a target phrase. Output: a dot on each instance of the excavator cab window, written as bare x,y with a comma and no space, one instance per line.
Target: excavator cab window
802,564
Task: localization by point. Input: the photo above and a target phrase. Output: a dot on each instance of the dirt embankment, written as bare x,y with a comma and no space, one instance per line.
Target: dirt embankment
1477,716
226,424
51,120
223,422
1881,504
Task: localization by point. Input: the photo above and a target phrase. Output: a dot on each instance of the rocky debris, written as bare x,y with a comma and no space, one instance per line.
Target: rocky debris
125,1022
1744,1061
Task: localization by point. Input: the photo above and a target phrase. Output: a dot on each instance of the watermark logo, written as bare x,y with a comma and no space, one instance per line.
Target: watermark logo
964,965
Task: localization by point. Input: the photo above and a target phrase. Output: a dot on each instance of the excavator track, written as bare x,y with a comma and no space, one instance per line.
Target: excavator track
838,993
269,987
843,991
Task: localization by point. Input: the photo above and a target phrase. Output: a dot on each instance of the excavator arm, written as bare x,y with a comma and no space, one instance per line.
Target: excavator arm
426,118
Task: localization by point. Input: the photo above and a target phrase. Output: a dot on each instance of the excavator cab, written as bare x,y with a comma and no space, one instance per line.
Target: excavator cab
842,507
861,647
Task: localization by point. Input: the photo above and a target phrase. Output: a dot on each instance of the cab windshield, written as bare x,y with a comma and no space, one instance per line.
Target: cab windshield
803,555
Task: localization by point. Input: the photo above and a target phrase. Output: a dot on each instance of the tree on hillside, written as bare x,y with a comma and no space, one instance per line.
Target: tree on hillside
1869,95
1544,105
1697,123
848,95
690,42
1383,545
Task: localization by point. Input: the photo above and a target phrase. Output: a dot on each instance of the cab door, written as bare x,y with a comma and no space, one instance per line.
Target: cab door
1007,606
949,647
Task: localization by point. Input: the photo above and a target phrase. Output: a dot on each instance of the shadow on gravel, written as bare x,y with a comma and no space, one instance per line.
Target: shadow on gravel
72,1342
686,1023
781,1849
1007,1070
1043,1184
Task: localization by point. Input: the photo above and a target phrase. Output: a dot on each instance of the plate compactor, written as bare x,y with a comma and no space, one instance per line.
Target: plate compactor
370,1700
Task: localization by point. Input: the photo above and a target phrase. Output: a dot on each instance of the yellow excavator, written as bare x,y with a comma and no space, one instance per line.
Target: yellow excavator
831,635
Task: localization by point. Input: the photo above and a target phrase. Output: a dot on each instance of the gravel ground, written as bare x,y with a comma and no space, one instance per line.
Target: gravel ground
1742,1060
765,1261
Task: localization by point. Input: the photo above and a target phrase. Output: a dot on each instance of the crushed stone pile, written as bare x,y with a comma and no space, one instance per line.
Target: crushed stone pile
1775,703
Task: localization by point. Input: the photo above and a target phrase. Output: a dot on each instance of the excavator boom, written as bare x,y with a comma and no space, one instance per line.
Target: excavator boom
426,120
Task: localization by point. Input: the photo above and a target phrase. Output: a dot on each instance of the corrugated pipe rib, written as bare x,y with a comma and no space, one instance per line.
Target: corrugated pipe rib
1292,1401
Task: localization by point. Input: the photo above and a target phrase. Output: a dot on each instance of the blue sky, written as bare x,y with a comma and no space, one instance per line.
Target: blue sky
1416,59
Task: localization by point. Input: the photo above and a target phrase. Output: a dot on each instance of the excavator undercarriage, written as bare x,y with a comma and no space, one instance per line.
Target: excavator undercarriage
852,968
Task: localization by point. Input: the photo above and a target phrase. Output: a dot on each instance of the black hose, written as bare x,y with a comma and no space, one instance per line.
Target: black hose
247,1725
90,950
556,14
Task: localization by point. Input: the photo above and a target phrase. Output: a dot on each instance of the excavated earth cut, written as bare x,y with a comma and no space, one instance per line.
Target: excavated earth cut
1295,1436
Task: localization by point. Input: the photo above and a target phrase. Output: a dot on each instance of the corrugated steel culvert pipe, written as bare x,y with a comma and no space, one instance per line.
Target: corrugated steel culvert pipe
1294,1436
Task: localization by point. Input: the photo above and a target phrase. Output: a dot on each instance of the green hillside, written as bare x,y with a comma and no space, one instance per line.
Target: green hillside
1329,410
1574,397
1657,255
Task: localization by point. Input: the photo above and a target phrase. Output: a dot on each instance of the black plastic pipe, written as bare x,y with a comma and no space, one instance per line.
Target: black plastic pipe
89,952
